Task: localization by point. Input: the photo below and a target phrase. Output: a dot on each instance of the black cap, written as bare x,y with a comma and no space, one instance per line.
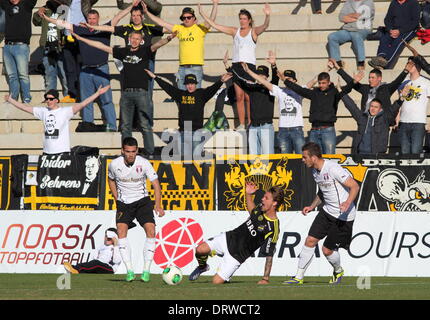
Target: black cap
290,74
187,10
263,70
53,93
190,78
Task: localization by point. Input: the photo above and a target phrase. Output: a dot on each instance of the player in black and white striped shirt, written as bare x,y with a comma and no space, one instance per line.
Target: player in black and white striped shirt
127,181
337,192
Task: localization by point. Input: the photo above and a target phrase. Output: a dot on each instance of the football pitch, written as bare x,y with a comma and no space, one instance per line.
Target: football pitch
106,287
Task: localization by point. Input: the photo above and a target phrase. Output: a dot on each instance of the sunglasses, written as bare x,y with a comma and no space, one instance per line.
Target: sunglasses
50,99
186,18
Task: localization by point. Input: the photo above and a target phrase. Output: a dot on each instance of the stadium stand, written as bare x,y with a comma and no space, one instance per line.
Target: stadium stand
297,36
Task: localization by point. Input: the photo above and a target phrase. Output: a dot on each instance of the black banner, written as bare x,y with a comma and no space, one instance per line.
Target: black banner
64,183
5,184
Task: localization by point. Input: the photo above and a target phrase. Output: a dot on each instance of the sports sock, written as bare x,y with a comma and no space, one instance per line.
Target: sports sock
305,259
202,260
148,253
334,260
125,251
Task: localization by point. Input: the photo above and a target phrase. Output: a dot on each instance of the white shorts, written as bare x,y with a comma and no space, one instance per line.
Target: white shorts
229,265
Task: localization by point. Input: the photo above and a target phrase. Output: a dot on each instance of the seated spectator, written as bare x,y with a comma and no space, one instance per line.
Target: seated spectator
322,114
357,16
191,103
16,51
376,88
373,126
401,22
50,42
108,257
412,119
55,119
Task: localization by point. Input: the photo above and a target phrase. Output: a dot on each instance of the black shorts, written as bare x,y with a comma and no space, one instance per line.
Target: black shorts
240,76
142,210
338,232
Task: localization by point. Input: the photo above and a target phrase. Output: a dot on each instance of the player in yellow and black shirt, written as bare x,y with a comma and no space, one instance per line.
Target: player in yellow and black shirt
235,246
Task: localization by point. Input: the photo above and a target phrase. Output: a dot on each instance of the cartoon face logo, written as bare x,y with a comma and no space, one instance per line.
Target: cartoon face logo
50,124
91,168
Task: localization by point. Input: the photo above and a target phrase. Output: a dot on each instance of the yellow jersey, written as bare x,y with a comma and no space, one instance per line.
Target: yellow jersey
191,43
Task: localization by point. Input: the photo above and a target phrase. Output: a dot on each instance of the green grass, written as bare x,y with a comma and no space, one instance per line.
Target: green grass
43,286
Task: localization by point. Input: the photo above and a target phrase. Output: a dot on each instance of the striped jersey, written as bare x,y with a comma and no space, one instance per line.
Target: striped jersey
258,231
329,181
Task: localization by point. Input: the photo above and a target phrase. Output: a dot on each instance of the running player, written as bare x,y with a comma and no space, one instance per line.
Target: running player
337,192
235,246
127,181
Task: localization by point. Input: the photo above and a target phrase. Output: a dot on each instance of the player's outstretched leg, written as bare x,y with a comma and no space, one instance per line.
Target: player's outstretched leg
333,258
202,254
70,268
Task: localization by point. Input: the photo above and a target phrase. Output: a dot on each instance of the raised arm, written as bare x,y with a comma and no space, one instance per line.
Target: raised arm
162,42
95,44
126,10
156,19
267,11
60,23
257,77
19,105
105,28
79,106
250,189
172,91
213,12
224,29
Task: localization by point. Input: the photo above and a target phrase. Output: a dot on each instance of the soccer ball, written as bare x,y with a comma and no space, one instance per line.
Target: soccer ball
172,275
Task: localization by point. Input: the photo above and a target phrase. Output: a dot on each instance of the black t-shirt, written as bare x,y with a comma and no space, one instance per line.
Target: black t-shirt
148,31
191,105
92,56
135,63
258,231
18,20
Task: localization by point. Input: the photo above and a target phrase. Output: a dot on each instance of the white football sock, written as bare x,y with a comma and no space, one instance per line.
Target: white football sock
305,259
125,251
148,253
334,260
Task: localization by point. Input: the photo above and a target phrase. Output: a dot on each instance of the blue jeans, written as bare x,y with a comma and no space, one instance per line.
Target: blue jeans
183,71
411,137
150,93
15,59
90,80
261,139
336,39
390,48
129,103
291,139
54,67
325,138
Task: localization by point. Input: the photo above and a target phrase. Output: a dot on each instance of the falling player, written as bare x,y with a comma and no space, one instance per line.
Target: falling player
337,192
127,181
235,246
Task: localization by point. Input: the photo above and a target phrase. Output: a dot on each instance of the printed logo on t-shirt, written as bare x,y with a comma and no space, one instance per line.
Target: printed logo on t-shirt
290,110
188,100
132,59
15,10
51,132
187,38
414,93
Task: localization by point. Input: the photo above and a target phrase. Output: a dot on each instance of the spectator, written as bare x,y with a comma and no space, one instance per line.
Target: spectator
401,22
51,44
244,46
16,50
191,103
357,16
191,41
134,94
108,257
55,119
376,88
413,113
78,10
150,32
261,136
373,126
94,72
419,59
323,109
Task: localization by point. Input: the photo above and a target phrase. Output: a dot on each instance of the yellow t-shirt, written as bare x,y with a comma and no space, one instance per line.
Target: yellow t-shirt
191,43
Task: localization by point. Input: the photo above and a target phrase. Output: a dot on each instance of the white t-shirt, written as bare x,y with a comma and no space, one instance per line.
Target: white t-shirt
244,48
329,181
414,108
109,255
290,107
56,123
131,180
